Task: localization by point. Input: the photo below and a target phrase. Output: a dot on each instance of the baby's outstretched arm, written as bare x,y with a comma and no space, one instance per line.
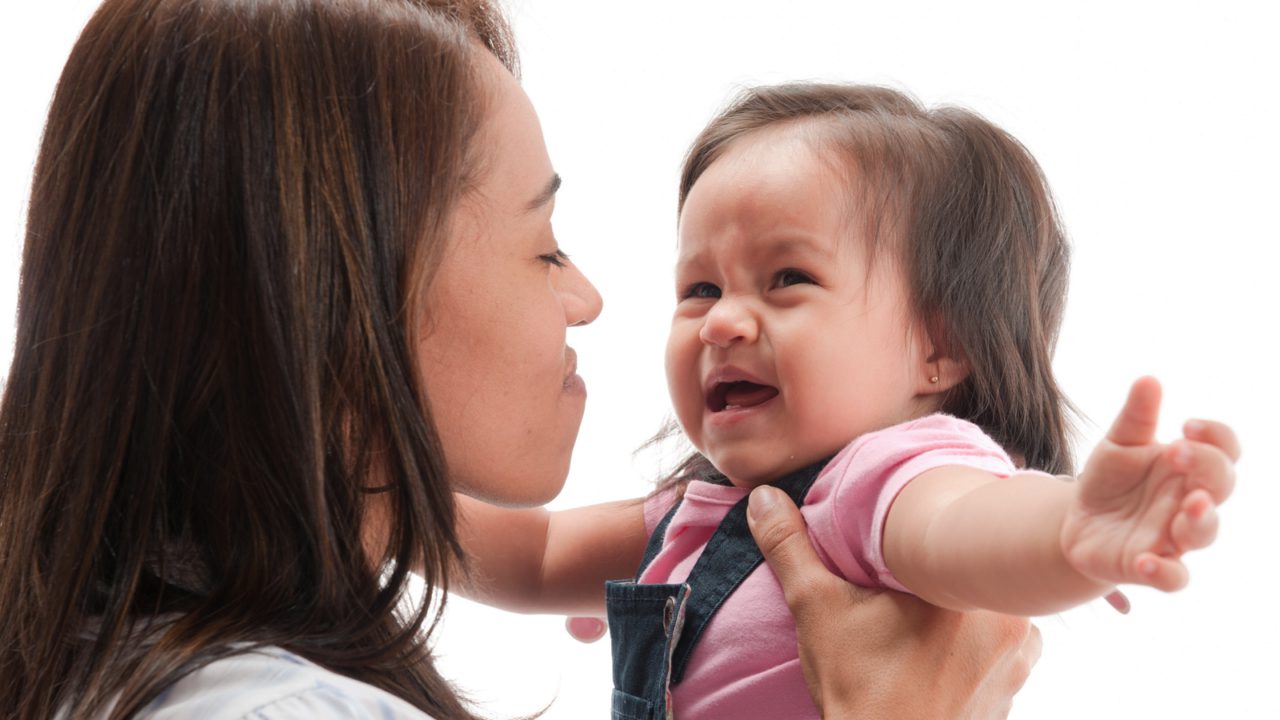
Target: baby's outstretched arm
537,561
1030,544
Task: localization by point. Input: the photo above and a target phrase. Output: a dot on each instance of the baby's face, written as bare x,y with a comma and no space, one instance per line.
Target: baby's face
785,344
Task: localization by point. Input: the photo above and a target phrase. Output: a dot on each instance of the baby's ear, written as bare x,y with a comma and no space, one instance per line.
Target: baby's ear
944,365
941,373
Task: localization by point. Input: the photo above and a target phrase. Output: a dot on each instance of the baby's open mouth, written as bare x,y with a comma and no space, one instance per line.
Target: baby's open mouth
740,394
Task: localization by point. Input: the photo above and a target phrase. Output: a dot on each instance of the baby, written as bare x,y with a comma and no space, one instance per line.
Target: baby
868,295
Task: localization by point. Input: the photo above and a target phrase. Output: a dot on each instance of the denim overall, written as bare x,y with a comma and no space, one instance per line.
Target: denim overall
654,627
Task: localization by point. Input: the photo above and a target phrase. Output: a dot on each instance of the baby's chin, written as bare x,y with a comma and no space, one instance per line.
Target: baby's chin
748,474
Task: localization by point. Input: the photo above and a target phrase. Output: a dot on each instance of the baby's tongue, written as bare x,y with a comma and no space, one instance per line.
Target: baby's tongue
746,394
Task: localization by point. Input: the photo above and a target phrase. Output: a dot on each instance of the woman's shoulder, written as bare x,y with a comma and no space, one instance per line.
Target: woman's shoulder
270,683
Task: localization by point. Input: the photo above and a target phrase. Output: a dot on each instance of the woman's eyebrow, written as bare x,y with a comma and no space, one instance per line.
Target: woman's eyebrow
546,195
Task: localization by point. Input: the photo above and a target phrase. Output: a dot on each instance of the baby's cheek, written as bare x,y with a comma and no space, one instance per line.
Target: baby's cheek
684,388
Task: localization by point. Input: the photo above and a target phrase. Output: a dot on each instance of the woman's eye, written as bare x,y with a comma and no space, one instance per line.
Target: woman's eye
791,276
556,258
700,290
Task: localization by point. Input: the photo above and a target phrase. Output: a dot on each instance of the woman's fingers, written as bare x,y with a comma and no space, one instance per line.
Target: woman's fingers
821,603
1003,649
970,663
1029,655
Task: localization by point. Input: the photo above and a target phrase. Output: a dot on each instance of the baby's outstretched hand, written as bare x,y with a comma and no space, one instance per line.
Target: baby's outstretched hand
1140,505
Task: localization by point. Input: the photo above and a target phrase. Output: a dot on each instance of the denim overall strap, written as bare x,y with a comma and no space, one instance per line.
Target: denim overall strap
729,557
647,621
655,541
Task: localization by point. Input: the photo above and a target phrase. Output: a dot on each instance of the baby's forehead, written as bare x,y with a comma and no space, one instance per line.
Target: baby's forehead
775,178
765,162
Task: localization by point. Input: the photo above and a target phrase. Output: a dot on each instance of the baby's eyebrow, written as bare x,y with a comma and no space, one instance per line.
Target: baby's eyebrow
800,244
684,261
546,195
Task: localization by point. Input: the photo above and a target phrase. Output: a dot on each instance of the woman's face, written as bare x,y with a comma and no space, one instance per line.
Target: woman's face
501,382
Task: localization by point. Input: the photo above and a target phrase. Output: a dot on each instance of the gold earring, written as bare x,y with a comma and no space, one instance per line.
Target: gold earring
934,379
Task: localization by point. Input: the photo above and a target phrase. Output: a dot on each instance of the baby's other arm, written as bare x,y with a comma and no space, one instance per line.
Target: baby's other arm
1030,544
537,561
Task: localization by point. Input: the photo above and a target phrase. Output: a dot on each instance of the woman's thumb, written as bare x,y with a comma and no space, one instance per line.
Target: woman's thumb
780,531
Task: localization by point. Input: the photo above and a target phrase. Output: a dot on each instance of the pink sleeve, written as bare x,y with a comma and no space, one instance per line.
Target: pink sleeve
847,507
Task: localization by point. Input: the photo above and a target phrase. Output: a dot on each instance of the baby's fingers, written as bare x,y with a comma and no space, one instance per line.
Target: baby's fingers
1161,573
1213,433
1206,467
1196,524
585,629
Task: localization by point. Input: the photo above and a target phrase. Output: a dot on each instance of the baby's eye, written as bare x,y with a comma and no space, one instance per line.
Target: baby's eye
700,290
556,258
791,276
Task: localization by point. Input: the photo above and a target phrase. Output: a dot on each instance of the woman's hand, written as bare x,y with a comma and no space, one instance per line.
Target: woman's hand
871,654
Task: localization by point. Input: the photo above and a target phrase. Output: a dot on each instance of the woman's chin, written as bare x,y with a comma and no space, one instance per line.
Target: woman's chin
525,493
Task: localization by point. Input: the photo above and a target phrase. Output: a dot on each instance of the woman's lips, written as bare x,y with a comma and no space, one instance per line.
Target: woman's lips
573,383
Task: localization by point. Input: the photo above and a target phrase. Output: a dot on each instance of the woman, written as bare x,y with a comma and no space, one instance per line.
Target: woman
288,283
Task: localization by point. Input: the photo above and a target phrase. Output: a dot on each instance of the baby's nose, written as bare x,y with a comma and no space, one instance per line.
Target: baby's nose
728,322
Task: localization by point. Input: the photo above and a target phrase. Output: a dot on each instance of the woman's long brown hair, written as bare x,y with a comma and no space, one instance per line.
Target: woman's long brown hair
235,213
965,210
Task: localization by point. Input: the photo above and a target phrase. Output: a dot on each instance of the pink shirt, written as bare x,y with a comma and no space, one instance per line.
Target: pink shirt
745,664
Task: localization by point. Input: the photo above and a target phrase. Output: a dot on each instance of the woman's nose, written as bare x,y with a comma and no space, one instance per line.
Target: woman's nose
582,303
729,321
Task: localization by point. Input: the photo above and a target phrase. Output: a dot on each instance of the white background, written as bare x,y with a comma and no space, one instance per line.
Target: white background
1151,121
